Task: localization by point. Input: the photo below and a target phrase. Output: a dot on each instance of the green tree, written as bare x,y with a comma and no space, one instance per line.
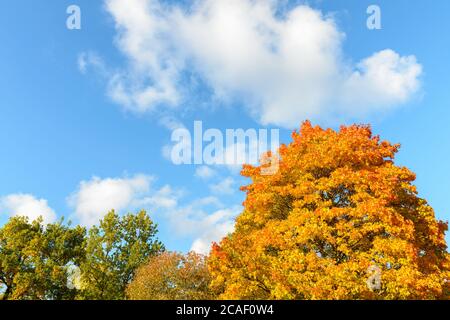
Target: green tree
34,259
172,276
114,250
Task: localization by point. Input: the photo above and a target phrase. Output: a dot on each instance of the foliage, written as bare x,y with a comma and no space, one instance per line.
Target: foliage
34,259
337,205
172,276
335,211
40,261
114,250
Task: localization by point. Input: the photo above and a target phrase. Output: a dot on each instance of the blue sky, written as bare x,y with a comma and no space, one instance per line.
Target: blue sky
76,126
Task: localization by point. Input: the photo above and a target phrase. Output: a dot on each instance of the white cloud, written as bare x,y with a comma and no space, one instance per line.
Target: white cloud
96,197
216,226
27,205
93,60
171,123
286,67
139,24
202,219
204,172
165,198
385,78
223,187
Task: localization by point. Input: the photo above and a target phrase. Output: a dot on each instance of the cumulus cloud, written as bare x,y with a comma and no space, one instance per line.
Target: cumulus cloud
27,205
166,198
96,197
284,64
223,187
204,172
383,79
217,225
139,24
202,219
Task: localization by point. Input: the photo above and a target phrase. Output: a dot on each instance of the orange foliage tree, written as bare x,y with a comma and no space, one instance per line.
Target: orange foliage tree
337,209
171,276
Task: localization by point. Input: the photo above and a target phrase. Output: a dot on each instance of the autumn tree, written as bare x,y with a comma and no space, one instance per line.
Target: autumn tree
172,276
337,209
34,259
114,250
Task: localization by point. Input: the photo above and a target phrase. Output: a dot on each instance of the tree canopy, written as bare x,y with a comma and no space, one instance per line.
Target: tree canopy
40,261
114,250
172,276
337,207
34,259
338,219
